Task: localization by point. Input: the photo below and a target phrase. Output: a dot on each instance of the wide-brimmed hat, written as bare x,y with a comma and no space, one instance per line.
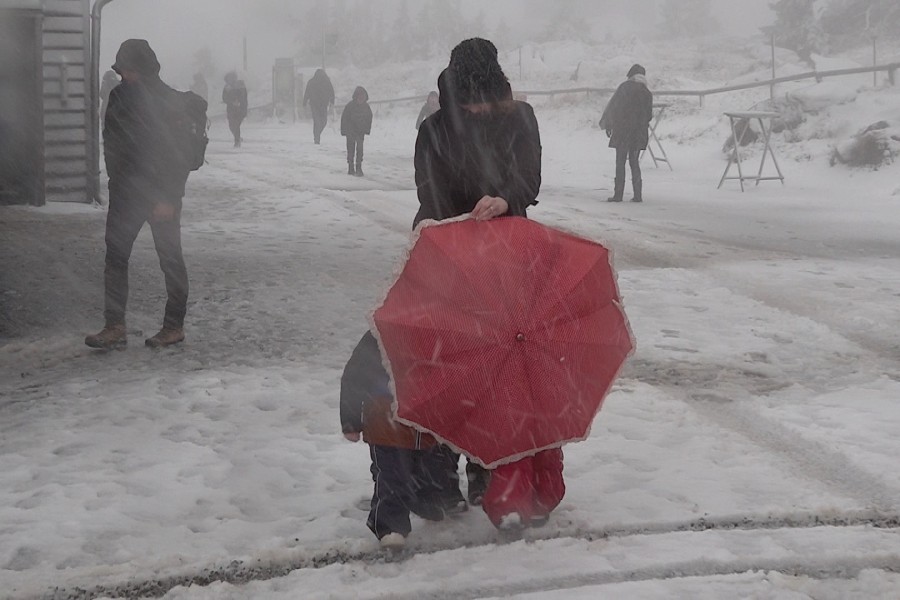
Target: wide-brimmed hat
136,55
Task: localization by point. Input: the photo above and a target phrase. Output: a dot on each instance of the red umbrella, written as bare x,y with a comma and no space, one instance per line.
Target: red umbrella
502,337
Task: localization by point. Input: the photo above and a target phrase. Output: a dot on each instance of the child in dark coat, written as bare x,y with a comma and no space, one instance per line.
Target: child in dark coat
356,123
408,467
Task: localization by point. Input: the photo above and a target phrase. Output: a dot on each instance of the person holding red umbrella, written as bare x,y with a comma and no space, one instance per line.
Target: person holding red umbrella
481,154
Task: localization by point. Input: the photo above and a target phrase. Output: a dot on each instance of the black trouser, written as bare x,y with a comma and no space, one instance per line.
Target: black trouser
634,159
320,118
129,208
234,124
407,481
355,144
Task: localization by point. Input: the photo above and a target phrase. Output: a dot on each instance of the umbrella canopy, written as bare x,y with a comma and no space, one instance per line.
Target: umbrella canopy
502,337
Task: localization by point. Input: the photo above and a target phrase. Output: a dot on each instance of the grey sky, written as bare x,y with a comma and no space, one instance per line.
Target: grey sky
178,28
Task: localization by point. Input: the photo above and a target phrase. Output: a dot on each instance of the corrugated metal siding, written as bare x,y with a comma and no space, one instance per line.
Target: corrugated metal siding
66,45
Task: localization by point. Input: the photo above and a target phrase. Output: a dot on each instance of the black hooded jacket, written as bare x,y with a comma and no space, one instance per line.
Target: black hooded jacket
138,142
462,156
356,120
319,91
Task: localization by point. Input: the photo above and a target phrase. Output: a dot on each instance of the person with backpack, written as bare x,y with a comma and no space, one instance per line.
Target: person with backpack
409,468
356,124
234,95
626,120
319,95
153,136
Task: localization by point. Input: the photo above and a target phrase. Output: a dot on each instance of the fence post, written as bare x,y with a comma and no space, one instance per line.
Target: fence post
892,75
701,100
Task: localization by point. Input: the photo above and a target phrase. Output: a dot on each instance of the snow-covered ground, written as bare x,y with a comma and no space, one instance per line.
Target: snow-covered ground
748,450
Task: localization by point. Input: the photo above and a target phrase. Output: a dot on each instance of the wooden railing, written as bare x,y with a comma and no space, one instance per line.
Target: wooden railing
890,68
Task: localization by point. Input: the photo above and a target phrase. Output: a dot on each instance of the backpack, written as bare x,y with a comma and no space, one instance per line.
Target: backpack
189,126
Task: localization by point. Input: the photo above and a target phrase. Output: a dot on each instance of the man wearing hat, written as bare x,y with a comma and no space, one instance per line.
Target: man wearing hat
627,121
145,186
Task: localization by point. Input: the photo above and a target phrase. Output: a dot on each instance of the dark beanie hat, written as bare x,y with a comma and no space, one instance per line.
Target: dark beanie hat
477,75
636,70
136,55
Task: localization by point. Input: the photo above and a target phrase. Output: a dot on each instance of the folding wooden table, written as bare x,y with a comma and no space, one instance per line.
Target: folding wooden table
659,109
764,118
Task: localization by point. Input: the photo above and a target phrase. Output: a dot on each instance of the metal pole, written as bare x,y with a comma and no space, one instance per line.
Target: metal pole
245,55
94,79
520,63
874,61
772,86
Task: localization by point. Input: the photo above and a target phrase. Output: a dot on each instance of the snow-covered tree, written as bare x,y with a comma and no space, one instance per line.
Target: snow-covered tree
687,18
797,27
849,22
567,24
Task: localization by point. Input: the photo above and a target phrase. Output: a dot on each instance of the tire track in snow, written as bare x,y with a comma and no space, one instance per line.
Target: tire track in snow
705,389
242,572
844,568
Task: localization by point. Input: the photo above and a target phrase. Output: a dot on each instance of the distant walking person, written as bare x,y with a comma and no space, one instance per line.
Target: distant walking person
146,184
431,106
356,124
319,95
627,121
234,95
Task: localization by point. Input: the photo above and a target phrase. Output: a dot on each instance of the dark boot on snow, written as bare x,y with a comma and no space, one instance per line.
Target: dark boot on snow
359,172
166,337
109,338
350,170
638,189
618,192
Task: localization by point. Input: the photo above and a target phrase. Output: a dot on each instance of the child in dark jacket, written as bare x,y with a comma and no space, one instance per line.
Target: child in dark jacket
409,468
356,123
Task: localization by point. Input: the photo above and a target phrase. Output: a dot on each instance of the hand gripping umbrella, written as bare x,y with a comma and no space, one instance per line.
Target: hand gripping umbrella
503,337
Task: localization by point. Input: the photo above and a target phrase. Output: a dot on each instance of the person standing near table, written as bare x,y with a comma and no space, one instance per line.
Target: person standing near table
626,120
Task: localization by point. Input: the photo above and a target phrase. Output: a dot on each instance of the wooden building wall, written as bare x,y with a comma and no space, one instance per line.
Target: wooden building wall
66,63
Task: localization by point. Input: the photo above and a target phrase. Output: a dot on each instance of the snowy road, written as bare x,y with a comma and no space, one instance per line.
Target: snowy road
748,450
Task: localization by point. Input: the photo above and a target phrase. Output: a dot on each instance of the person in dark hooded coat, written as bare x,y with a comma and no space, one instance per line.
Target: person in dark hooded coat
356,124
626,120
408,467
319,95
234,95
481,154
146,185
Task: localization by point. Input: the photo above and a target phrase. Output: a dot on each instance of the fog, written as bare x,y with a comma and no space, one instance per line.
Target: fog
178,29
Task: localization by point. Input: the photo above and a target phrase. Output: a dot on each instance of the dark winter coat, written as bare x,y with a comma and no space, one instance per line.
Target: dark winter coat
356,120
462,156
138,143
627,116
319,91
235,98
366,401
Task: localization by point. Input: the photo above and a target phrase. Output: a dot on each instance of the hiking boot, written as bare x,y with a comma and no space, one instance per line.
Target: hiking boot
614,199
359,172
637,199
165,337
350,170
109,338
393,541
